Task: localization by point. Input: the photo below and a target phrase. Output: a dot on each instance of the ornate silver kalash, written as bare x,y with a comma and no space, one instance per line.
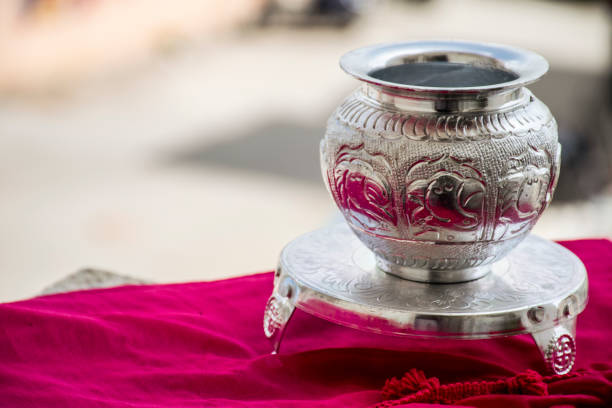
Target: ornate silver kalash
441,163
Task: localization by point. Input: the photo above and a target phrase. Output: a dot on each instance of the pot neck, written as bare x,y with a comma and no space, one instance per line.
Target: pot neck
445,102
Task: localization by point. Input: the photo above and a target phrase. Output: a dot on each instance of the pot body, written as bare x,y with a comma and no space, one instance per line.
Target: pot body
438,194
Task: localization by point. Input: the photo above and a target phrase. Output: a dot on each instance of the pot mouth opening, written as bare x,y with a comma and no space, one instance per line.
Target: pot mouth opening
444,66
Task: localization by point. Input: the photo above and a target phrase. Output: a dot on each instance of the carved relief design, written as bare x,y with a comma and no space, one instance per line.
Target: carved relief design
272,319
435,263
561,354
444,199
554,177
523,192
276,315
348,272
358,113
360,184
416,176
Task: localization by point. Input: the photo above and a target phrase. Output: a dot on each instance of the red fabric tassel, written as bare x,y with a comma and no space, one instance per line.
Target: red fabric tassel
416,387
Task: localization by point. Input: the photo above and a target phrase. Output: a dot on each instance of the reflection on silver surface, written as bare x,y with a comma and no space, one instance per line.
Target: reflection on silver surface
439,185
440,182
538,273
540,288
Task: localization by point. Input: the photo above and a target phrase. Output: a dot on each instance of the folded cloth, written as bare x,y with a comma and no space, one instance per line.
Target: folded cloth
202,344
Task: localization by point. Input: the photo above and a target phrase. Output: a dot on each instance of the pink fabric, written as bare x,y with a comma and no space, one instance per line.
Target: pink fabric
201,344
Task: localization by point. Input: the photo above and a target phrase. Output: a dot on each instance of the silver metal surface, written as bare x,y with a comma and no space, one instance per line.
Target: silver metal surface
440,182
439,186
558,346
528,65
539,288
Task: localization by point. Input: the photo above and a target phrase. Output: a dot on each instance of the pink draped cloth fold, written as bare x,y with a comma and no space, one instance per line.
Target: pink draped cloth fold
202,344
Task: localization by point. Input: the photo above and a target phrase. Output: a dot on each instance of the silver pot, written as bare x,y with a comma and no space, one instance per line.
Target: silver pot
442,161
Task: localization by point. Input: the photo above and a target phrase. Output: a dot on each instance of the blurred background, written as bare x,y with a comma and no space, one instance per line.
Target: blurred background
176,141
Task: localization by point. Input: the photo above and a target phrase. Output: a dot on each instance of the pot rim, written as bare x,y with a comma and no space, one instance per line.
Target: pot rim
527,65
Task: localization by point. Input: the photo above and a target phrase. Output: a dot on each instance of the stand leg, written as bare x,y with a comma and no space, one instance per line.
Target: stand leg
279,310
558,346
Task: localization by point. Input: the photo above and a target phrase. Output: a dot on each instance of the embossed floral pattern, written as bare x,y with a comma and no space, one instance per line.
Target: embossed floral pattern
421,176
444,199
362,192
523,193
358,112
563,354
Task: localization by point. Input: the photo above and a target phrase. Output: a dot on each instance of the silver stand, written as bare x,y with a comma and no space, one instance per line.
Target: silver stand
539,288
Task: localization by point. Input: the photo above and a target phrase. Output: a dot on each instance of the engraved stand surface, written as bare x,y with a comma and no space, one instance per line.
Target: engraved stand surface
539,288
